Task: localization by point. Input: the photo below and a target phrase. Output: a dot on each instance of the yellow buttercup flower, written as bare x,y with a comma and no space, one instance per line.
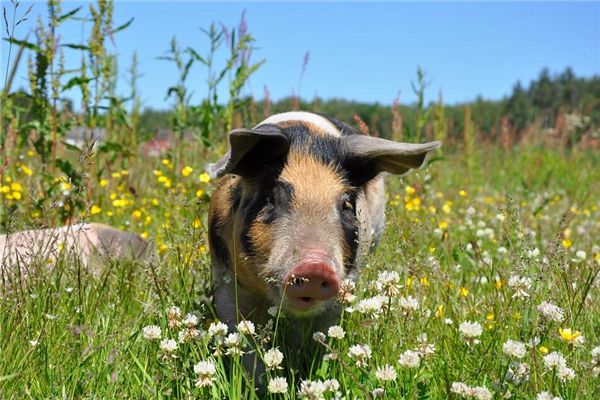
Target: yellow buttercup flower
186,171
103,182
409,190
95,210
464,292
197,223
567,243
462,193
568,335
543,349
26,170
204,177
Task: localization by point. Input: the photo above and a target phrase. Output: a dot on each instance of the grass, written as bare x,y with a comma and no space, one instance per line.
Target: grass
455,237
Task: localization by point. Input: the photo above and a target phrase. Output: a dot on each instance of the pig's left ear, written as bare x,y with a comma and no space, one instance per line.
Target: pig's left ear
368,156
250,150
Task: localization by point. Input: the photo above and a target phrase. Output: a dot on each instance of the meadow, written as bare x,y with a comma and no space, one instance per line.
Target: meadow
485,284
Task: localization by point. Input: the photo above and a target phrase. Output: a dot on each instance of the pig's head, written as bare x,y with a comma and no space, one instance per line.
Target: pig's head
300,204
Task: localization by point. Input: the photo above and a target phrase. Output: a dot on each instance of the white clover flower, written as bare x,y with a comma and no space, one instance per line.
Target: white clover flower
448,321
188,334
345,294
408,303
151,332
378,392
174,312
409,359
373,305
480,393
336,332
533,253
360,352
514,348
595,363
565,373
554,360
174,315
518,372
459,388
190,320
386,373
470,330
388,282
246,327
547,396
168,345
206,371
233,342
33,343
217,330
551,312
521,286
278,385
580,255
331,385
319,337
273,359
311,390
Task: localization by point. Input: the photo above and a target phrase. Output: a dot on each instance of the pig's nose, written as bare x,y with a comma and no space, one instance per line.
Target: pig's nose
310,282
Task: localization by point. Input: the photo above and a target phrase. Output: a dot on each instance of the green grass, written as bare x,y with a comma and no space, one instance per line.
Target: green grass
88,328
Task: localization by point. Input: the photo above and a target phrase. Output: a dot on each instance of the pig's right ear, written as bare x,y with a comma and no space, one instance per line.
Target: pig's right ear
251,150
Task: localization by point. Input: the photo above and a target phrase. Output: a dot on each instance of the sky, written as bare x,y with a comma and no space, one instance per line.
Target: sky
362,51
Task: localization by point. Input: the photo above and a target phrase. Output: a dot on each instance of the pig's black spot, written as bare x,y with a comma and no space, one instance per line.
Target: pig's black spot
347,210
266,202
217,244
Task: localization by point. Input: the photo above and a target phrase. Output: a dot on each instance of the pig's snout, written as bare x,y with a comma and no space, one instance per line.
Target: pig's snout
310,282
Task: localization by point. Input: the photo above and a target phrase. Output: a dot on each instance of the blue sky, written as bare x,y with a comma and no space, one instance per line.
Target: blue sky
358,51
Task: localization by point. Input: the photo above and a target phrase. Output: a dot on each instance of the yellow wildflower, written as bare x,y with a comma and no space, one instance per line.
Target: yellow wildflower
204,177
103,182
154,201
464,292
409,190
136,214
462,193
144,235
95,210
567,243
498,283
16,195
568,335
424,281
163,248
197,223
543,349
443,225
186,171
200,193
165,161
116,175
16,186
26,170
30,153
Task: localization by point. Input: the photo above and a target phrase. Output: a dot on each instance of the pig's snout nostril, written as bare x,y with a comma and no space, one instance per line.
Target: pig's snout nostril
310,282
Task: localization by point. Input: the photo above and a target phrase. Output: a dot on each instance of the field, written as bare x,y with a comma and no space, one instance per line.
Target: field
485,284
470,259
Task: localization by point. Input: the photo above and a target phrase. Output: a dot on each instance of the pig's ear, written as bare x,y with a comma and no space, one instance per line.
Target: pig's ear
368,156
250,150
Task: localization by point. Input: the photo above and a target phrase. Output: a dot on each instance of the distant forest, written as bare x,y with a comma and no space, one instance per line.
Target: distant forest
548,102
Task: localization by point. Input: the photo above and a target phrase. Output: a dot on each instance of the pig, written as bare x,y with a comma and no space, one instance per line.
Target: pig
297,204
90,243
